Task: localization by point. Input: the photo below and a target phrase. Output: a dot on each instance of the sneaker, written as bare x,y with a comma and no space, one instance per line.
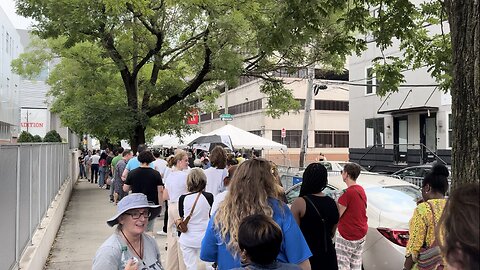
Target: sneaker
161,233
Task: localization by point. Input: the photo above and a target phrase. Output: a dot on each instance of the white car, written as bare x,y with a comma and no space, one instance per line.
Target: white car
390,205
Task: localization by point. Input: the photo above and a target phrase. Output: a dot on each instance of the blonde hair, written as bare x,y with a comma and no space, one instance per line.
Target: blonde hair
179,155
250,188
196,180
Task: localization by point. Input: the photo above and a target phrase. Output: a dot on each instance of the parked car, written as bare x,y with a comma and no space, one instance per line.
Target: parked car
390,205
416,171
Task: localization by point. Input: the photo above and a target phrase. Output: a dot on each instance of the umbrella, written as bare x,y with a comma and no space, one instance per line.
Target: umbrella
208,142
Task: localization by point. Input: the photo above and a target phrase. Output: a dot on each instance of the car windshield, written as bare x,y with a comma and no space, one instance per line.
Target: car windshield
394,199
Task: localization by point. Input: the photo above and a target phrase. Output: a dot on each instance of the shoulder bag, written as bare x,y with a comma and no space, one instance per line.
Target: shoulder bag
181,223
430,258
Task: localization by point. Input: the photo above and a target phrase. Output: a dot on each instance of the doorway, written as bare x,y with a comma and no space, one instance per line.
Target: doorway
428,136
400,139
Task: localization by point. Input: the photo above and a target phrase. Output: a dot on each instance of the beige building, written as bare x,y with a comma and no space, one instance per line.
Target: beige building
328,125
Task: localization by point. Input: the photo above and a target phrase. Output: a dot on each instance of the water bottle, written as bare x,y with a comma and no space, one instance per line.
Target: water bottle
124,258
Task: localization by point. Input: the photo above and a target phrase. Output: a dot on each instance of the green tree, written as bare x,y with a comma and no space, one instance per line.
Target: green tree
162,52
37,138
25,137
149,61
52,136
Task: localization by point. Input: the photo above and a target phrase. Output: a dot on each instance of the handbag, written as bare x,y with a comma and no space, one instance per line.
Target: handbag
430,258
181,223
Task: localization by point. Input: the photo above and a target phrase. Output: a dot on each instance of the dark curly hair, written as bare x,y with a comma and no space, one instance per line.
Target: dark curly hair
437,179
459,224
314,179
146,157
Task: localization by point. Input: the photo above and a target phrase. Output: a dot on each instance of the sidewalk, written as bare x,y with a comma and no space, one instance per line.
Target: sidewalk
84,229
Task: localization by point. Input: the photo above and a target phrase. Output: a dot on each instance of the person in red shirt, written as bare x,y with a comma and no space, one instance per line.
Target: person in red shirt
352,226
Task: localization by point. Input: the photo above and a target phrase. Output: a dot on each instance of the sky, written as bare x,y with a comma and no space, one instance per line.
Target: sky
18,22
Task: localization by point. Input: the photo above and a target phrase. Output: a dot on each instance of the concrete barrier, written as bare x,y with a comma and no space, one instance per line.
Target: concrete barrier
35,256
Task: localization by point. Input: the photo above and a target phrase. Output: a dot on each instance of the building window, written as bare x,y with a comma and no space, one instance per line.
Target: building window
369,81
253,105
331,139
7,43
450,130
205,117
331,105
293,138
256,132
374,132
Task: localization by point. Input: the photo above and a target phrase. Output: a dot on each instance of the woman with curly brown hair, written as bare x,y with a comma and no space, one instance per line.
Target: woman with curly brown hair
252,191
459,226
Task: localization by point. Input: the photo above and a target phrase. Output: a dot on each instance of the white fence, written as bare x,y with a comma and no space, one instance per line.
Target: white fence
30,177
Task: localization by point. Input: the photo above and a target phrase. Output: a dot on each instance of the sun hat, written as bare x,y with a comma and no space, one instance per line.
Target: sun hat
133,201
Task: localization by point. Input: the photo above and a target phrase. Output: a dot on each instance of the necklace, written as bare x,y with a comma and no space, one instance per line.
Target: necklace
140,255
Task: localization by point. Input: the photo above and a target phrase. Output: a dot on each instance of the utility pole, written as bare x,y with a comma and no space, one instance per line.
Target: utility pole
308,101
226,101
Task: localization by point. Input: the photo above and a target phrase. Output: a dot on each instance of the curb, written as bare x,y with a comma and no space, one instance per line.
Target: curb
35,256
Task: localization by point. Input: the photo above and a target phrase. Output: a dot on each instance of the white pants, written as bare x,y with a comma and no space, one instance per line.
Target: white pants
191,257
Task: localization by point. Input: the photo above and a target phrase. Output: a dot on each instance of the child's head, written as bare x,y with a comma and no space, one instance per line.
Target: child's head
260,238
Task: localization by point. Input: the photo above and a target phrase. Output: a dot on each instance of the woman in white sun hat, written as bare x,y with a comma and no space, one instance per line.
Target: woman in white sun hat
129,247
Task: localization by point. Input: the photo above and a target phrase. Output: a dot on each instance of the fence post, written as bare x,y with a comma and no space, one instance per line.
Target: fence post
17,216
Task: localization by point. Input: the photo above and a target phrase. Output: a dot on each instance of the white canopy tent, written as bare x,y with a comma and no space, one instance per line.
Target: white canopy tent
244,139
174,141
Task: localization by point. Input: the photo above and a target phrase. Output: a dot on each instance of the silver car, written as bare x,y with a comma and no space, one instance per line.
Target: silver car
390,205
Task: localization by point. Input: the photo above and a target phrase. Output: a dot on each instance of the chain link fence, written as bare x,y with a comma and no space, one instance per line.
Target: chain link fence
31,176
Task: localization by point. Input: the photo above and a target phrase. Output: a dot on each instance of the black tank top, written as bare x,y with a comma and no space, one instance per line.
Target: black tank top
314,231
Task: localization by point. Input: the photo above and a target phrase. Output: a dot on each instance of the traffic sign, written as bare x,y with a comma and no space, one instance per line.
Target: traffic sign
226,117
284,133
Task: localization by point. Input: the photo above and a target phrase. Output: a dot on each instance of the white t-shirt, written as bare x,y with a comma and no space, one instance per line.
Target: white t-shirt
215,180
176,184
198,222
220,197
95,159
160,165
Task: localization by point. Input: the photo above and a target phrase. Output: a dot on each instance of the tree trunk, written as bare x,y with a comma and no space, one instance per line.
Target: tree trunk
464,17
138,137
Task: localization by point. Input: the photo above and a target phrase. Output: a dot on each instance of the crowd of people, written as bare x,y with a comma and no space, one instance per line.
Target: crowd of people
225,211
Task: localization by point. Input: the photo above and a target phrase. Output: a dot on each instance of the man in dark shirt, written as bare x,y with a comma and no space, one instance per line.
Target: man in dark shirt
146,180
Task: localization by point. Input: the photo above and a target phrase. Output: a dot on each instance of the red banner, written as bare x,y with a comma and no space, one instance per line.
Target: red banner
192,117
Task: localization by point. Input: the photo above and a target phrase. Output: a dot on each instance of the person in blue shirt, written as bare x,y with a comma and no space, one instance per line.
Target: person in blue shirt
253,190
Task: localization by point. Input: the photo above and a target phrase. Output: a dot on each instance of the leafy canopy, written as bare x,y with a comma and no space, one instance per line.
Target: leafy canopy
132,65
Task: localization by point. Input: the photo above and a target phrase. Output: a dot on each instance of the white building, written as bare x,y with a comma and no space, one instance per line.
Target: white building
10,48
328,125
36,117
408,127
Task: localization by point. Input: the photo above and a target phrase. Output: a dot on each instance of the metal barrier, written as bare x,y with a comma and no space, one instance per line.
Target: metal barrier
31,176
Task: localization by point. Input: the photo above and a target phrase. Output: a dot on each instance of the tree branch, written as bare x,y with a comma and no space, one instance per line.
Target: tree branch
158,45
153,81
193,39
191,88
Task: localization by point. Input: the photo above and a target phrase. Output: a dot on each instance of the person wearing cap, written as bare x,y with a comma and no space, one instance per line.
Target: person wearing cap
129,247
